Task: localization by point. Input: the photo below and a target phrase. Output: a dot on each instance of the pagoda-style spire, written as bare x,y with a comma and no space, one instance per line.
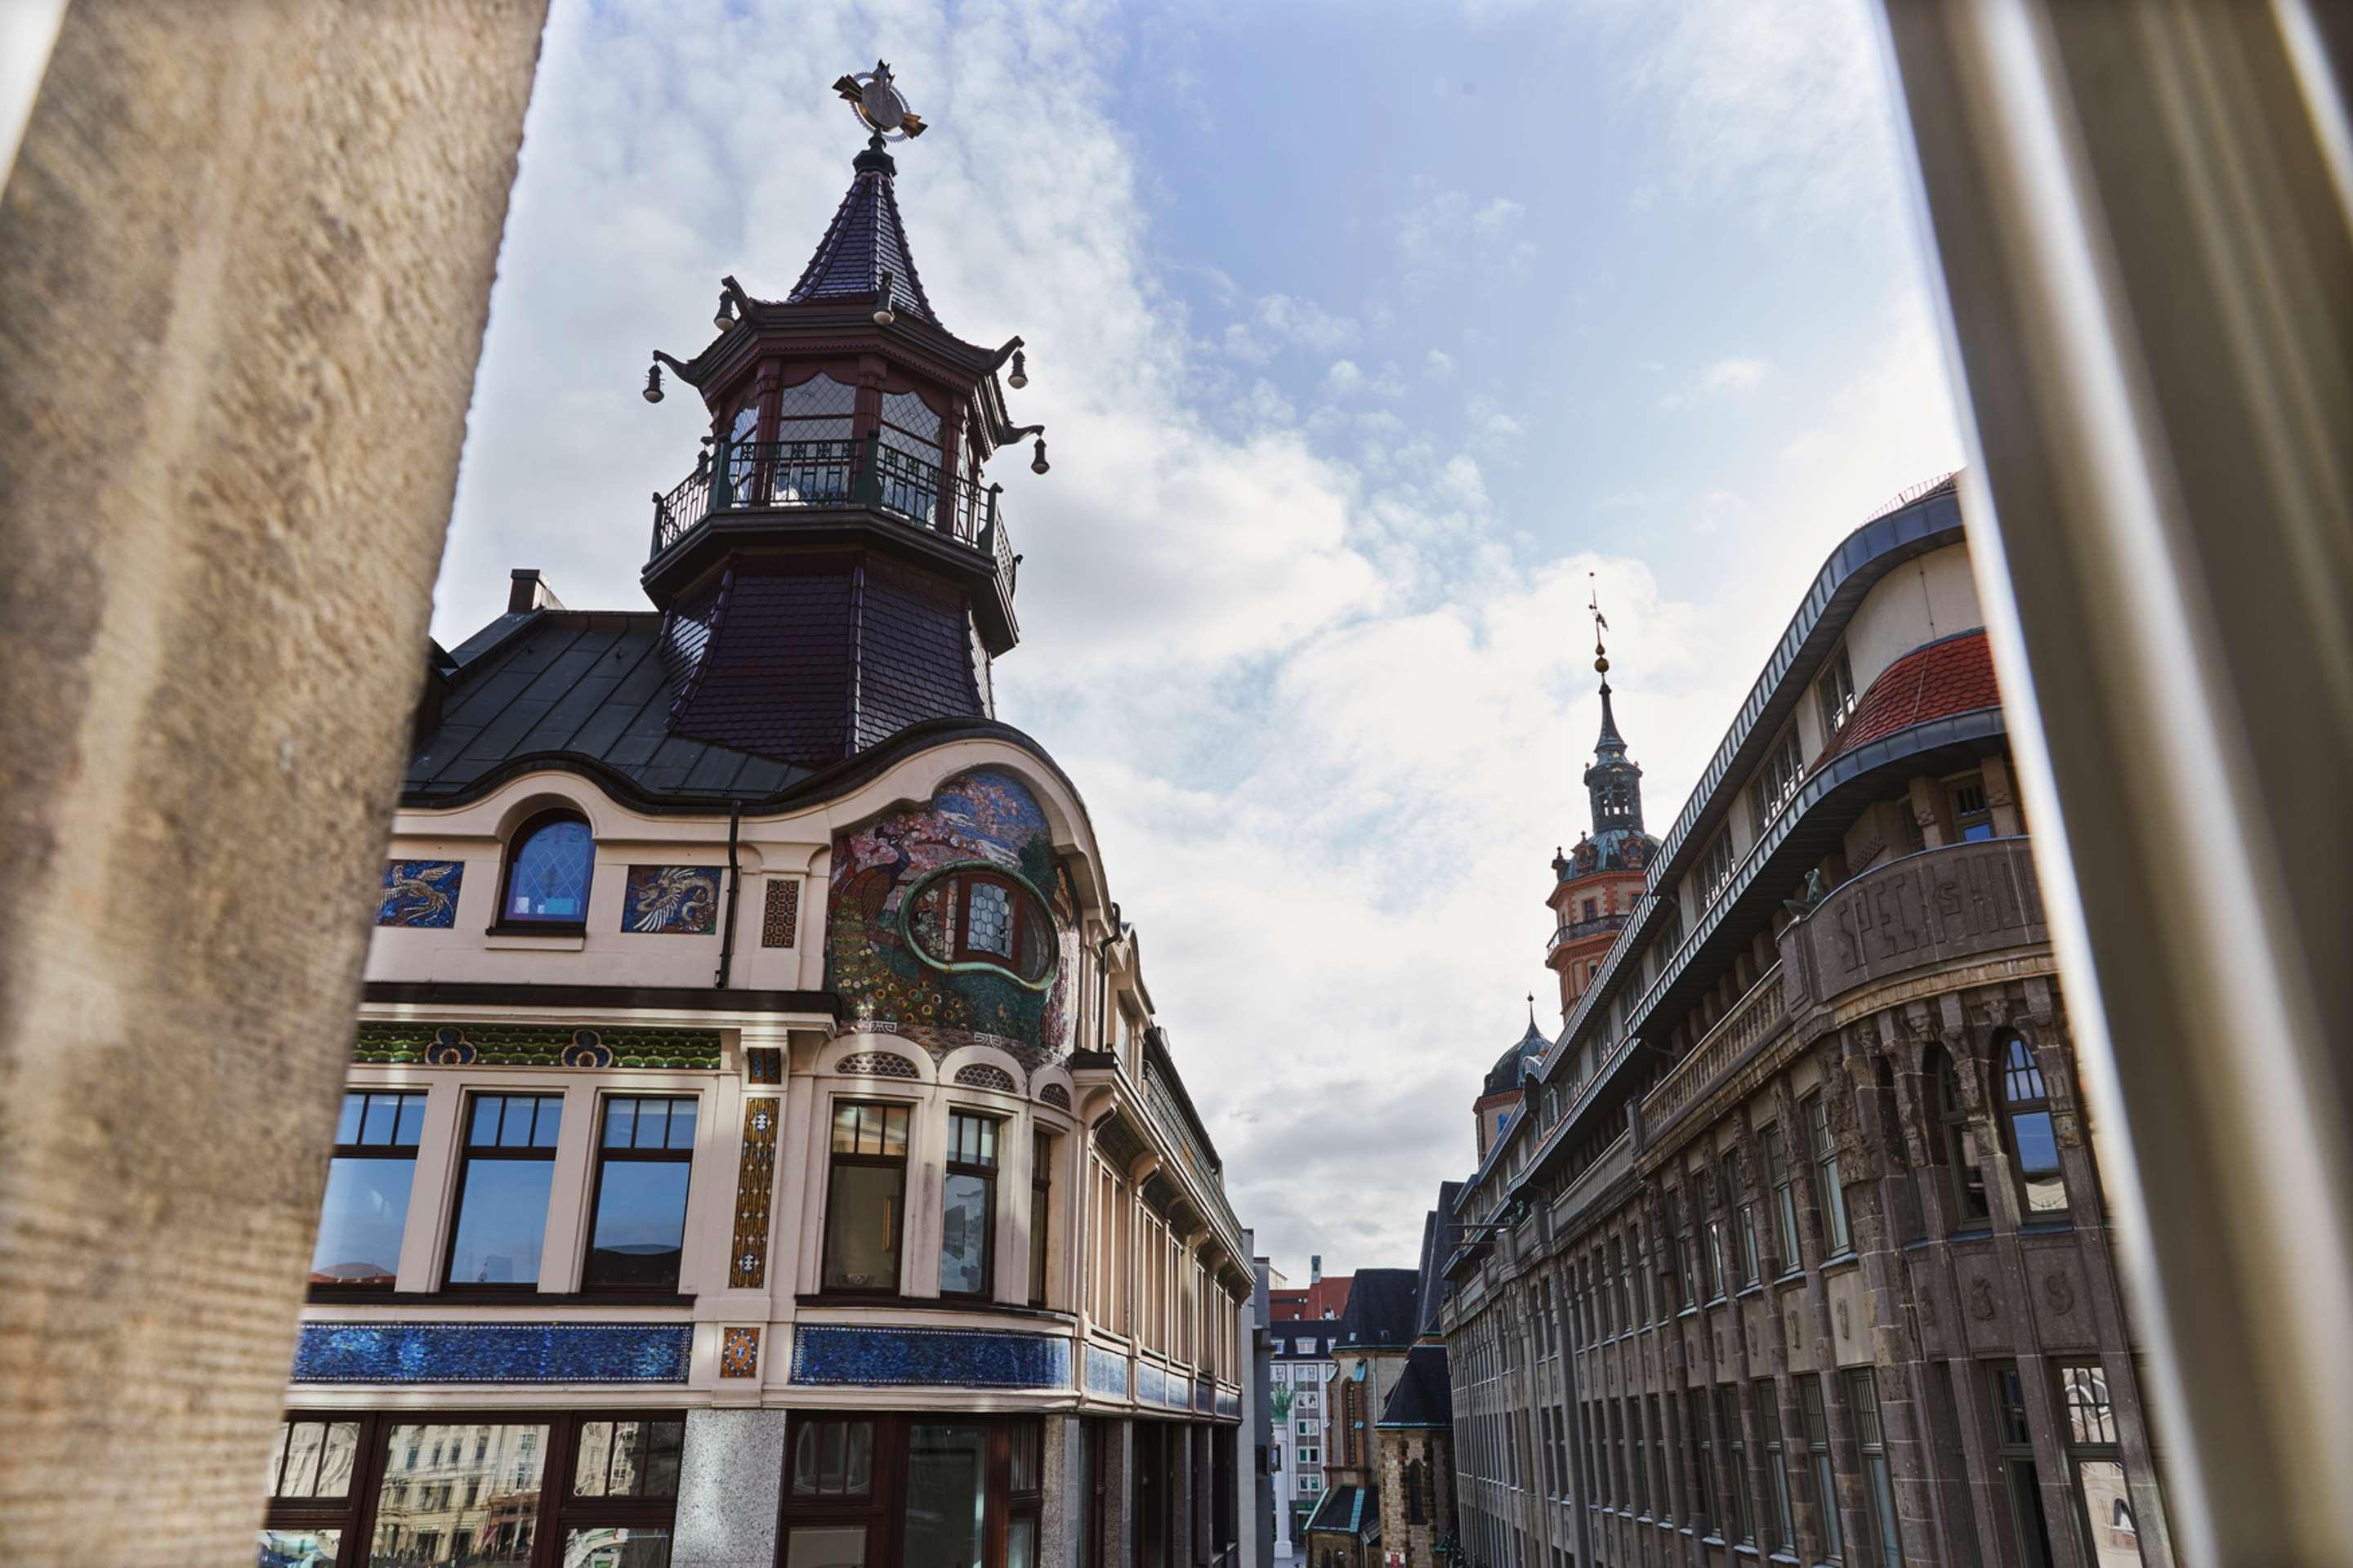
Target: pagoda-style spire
1613,784
864,253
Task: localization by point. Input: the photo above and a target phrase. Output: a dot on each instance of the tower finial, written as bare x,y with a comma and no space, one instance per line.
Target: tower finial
874,96
1600,625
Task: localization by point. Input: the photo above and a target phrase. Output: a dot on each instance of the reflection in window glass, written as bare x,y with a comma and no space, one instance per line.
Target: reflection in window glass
833,1458
947,1469
2108,1509
472,1501
627,1459
510,1168
549,875
617,1546
2034,1144
313,1459
642,1169
863,1199
366,1210
299,1548
967,1202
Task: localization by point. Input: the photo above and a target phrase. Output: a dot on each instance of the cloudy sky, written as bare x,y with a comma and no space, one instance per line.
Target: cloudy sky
1364,332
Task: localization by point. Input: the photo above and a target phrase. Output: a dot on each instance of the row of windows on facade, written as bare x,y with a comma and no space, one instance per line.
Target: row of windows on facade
588,1489
1738,1481
801,450
639,1188
962,915
1173,1303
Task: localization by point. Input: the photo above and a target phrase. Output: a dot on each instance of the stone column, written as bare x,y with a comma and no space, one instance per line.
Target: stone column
246,256
729,1481
1064,1513
1119,1494
1178,1456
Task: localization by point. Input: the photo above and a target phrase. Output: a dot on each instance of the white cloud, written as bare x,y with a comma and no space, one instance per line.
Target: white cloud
1723,376
1438,365
1343,379
1307,323
1431,238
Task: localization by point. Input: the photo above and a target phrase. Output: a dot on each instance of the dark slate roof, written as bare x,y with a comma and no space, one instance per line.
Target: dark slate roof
1287,1332
1505,1077
1442,1233
1381,1310
580,684
1346,1509
1424,1395
1952,675
865,240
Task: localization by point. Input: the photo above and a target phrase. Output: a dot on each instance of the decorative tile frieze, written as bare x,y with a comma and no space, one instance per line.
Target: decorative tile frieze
755,1185
420,895
984,1076
739,1352
429,1043
780,912
671,900
878,1064
493,1352
864,1356
764,1065
1107,1373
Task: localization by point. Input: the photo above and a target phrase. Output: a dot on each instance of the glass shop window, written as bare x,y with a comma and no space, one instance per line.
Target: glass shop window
366,1209
643,1164
505,1174
550,865
473,1492
866,1198
2027,1123
889,1489
968,1205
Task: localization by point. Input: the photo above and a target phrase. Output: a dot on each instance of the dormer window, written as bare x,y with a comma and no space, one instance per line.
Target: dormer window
550,864
978,916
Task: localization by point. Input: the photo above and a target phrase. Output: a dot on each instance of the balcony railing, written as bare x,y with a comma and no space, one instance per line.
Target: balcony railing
759,476
1577,930
1751,1022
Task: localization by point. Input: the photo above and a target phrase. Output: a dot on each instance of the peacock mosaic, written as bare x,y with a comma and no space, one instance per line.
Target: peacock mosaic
420,895
987,818
671,900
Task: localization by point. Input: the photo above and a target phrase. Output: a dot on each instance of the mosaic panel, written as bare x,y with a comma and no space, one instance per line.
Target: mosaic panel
764,1065
1055,1095
755,1185
420,895
1106,1371
493,1352
865,1356
739,1352
988,816
435,1044
671,900
878,1064
780,915
985,1075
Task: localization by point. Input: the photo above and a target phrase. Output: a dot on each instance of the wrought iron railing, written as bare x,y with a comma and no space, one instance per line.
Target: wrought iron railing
1574,930
755,476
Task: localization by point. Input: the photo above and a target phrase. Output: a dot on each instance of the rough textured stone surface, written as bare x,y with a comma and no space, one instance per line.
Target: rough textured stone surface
245,265
728,1489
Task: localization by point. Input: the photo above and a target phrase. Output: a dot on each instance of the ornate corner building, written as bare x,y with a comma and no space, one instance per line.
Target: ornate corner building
758,1144
1793,1246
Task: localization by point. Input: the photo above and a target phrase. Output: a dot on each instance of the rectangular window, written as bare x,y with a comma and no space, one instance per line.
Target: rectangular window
1609,1319
1679,1214
1879,1485
643,1163
2021,1481
1736,1191
1972,817
1776,781
968,1205
504,1176
1784,1199
475,1490
1698,1441
1619,1488
1830,1189
1736,1459
1714,870
365,1212
865,1198
1824,1488
1719,1241
1658,1458
1834,693
2104,1509
1041,1211
1768,1403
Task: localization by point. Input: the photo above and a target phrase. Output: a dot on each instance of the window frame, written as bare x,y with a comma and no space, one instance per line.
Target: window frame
1782,1178
371,1290
599,1153
1879,1512
835,1160
2021,1478
504,921
467,1154
1972,1202
1822,1470
962,958
1829,1180
985,1174
1042,1144
2013,1107
1776,780
2104,1446
1834,693
1766,1394
1743,1531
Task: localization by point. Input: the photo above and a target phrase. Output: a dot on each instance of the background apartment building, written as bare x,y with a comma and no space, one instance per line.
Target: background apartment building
1796,1244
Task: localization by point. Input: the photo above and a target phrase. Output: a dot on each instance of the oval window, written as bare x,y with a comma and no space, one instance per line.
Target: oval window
979,916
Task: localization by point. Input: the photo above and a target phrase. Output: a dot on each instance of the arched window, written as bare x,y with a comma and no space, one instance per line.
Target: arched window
1950,1147
1417,1509
2026,1124
550,863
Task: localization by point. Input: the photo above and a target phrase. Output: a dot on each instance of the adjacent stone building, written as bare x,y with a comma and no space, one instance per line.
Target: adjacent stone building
758,1146
1796,1246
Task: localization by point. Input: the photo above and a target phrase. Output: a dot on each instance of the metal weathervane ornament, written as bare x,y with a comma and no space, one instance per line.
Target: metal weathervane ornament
874,96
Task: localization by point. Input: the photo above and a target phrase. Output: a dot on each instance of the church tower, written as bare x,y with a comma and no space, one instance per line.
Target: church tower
1594,884
837,565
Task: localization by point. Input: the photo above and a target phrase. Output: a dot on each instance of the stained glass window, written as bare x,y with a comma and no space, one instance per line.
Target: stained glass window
548,879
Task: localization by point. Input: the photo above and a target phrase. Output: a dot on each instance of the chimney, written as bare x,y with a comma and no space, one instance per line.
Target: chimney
1315,1269
530,591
